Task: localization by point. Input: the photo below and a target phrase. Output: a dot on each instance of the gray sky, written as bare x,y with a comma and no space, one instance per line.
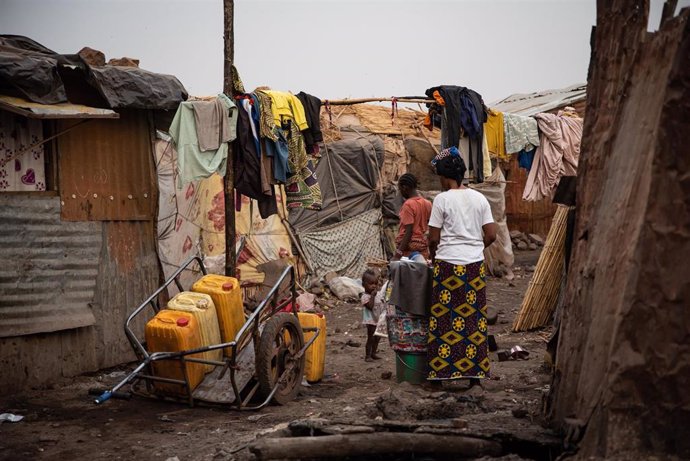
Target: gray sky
330,48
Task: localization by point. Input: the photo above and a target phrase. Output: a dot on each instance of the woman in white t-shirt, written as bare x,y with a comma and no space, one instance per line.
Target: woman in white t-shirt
460,227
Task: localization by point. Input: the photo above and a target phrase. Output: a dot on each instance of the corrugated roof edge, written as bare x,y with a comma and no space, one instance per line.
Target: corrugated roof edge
543,101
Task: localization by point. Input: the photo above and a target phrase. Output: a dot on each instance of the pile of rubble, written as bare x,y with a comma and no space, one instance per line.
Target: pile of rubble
522,241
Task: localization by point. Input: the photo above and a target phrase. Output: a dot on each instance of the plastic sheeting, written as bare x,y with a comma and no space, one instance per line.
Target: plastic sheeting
261,240
348,173
134,88
34,71
190,221
501,251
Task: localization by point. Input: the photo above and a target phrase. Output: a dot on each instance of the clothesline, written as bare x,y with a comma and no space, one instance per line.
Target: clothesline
347,102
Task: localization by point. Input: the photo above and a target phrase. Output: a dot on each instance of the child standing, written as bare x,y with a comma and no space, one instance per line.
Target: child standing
372,300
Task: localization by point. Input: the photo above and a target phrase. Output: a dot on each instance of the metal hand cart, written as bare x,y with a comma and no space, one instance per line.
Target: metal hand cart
266,356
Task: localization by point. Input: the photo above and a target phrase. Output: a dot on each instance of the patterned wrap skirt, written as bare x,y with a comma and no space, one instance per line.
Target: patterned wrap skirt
457,343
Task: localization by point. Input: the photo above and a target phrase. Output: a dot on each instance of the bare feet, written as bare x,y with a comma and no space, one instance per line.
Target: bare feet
376,357
368,359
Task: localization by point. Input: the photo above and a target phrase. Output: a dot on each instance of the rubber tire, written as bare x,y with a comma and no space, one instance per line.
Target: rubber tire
265,372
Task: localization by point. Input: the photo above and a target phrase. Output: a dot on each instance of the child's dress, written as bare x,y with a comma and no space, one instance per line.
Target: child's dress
371,317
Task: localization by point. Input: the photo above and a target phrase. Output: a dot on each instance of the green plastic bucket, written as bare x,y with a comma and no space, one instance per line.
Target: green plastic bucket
410,367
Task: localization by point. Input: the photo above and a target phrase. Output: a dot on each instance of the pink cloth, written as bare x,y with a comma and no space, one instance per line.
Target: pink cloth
556,156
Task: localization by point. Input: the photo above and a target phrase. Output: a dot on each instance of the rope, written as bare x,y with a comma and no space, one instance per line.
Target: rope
394,109
21,152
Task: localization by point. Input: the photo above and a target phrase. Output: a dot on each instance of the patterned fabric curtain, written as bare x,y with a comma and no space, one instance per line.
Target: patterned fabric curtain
27,171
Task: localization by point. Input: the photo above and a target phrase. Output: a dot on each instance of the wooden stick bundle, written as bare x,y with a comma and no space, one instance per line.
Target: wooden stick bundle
542,293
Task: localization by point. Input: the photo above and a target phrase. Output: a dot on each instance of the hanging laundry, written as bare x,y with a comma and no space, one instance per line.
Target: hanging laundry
247,167
464,147
486,170
194,162
303,190
213,127
495,135
526,158
287,106
312,135
556,156
521,133
266,126
463,113
279,152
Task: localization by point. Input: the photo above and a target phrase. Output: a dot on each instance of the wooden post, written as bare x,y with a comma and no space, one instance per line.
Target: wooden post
229,183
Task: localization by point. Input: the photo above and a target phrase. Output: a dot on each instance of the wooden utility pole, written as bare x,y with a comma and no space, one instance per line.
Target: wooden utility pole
229,58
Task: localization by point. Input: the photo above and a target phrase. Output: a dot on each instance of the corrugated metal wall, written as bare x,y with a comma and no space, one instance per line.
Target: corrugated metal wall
107,267
50,267
54,274
129,273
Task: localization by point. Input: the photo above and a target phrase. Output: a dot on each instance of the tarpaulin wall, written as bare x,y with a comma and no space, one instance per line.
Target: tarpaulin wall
348,173
192,221
348,229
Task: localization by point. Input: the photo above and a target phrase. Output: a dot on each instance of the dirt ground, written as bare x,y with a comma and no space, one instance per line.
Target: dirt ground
63,423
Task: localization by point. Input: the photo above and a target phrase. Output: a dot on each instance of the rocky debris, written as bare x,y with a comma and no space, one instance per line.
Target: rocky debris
536,239
124,62
519,413
523,241
408,402
93,58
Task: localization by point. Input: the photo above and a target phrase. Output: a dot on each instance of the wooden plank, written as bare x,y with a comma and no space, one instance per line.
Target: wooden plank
381,443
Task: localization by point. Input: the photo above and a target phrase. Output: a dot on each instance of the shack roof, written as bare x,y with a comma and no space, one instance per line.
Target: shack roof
53,111
34,72
543,101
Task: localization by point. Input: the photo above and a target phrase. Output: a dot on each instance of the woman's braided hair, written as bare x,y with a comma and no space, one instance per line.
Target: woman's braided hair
409,180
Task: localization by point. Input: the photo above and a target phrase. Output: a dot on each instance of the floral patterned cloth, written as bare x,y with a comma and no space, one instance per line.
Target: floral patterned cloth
25,172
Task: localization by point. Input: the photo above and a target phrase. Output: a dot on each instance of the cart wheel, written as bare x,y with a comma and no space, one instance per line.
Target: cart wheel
280,342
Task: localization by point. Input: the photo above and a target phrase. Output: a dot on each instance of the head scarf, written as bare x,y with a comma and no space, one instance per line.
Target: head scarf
449,164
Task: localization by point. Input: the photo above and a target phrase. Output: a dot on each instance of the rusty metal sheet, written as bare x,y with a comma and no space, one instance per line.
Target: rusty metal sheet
129,272
53,111
106,169
48,275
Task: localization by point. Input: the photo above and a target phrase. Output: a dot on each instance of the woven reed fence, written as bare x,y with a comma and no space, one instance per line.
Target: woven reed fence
541,297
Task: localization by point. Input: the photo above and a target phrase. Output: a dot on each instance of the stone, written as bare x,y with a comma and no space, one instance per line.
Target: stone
522,245
330,276
536,239
93,58
515,234
124,62
532,246
519,413
458,423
